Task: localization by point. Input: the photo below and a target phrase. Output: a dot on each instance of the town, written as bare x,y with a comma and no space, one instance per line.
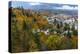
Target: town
59,22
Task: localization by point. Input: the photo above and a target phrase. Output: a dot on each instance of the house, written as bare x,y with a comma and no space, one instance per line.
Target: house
46,32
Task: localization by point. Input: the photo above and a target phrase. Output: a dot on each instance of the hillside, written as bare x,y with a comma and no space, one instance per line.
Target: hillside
32,31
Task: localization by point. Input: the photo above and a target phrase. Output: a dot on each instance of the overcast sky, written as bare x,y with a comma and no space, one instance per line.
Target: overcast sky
56,1
43,5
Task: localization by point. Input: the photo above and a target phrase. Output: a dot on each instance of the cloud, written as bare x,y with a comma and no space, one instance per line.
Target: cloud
67,7
34,3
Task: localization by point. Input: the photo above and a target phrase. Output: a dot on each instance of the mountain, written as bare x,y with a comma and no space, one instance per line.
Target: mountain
68,9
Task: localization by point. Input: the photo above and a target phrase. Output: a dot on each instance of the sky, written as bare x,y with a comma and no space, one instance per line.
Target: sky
32,5
54,1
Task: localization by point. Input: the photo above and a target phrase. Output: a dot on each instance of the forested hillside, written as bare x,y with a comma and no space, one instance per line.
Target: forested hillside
31,31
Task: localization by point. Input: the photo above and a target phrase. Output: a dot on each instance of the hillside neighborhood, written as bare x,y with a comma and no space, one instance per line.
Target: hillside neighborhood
43,27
